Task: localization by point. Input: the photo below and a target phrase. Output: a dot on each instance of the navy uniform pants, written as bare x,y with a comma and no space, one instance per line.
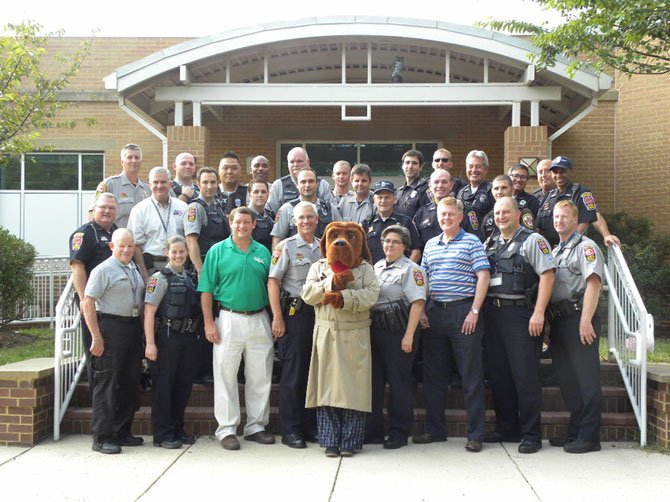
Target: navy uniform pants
445,334
172,377
116,379
577,368
390,364
295,352
514,368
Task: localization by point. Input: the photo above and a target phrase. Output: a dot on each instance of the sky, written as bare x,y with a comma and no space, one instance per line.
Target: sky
196,18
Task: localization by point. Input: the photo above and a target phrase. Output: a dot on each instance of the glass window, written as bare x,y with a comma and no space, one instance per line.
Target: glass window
51,171
10,173
384,159
427,149
92,171
323,156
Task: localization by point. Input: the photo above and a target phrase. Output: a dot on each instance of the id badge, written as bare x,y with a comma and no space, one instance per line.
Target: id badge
496,280
136,311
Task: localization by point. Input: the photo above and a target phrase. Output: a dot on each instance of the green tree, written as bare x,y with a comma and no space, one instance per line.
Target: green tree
28,95
630,36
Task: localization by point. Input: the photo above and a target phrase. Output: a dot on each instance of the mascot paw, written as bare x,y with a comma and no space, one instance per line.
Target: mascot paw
341,279
335,299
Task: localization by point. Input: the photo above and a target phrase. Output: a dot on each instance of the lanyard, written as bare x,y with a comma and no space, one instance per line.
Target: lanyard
164,223
131,280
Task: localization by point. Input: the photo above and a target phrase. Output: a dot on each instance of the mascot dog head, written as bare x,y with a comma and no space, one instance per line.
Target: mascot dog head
344,245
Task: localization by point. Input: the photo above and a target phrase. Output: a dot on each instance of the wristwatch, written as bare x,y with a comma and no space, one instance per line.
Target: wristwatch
474,311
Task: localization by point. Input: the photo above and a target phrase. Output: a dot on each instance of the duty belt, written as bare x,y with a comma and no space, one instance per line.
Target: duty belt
507,302
182,325
563,308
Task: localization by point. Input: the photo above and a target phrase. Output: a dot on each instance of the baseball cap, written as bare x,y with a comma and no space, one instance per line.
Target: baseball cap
562,162
383,185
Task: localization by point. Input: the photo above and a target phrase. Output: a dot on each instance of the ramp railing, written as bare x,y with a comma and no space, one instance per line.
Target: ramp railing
69,355
630,333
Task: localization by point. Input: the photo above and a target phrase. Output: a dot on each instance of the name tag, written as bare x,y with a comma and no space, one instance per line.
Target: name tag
496,280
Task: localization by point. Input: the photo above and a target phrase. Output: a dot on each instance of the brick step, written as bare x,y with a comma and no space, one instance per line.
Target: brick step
615,399
200,421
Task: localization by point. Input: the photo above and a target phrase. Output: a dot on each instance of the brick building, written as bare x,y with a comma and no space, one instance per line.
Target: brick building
326,83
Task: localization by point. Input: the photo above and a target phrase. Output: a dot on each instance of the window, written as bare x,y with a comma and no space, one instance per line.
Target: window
52,171
384,158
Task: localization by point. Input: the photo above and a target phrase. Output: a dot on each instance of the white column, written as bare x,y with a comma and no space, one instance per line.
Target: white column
516,113
179,113
197,114
535,113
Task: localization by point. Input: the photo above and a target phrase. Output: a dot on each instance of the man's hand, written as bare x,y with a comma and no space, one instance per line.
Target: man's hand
536,324
407,342
212,332
97,346
278,327
612,239
151,352
423,321
587,334
470,323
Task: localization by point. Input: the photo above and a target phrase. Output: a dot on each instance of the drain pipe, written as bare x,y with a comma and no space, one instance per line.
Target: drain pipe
148,126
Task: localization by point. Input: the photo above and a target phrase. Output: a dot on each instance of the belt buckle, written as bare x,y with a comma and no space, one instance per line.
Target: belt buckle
496,302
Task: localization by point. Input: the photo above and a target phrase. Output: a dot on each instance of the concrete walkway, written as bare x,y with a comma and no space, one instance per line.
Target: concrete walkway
69,470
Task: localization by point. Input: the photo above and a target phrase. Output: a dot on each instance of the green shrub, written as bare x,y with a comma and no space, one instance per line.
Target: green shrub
648,256
16,272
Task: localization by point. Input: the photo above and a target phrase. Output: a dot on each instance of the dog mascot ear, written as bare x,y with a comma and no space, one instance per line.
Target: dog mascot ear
365,250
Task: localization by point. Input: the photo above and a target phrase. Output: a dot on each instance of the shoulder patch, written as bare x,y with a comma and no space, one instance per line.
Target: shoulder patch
151,285
418,277
590,253
102,188
543,246
192,210
278,215
589,201
474,222
527,220
276,254
77,240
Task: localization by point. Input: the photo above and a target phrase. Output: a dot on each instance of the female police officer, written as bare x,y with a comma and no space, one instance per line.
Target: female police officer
395,317
171,316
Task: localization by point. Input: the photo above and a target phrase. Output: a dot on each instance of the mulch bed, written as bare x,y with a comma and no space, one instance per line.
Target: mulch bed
10,338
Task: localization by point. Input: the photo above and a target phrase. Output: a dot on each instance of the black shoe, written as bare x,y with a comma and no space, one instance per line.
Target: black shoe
474,446
496,437
187,438
332,452
346,453
581,446
528,446
374,440
394,443
561,441
131,441
106,448
427,437
293,441
174,444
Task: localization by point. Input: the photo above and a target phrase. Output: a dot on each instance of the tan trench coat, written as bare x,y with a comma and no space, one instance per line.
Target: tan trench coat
340,373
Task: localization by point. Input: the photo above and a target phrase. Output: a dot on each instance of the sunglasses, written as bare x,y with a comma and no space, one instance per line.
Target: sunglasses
443,159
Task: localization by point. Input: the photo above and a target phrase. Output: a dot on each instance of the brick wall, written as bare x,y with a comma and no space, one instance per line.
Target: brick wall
658,405
525,141
26,402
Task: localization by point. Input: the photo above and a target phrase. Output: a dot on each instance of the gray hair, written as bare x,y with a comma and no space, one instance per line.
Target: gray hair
121,233
159,170
478,154
132,147
305,204
400,230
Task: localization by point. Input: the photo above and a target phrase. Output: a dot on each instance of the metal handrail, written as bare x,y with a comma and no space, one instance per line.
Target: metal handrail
69,354
630,333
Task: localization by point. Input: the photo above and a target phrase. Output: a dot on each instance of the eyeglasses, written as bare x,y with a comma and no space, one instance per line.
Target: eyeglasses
519,177
443,159
392,242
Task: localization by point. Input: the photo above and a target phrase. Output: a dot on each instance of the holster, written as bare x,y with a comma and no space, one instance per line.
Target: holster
390,316
562,308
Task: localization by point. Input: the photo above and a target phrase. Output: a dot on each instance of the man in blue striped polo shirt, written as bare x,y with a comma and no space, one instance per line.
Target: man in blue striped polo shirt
458,279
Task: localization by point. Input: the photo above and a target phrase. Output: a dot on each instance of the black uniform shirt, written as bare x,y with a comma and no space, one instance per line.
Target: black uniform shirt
89,244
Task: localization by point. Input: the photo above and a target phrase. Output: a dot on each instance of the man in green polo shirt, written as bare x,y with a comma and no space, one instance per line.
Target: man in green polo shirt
233,283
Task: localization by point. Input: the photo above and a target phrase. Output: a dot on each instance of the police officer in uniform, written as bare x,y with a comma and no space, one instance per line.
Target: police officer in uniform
384,216
425,219
89,247
183,186
284,222
476,196
127,187
442,159
395,319
285,189
231,192
265,219
502,187
519,174
522,276
171,320
111,307
205,222
293,324
582,197
412,195
574,330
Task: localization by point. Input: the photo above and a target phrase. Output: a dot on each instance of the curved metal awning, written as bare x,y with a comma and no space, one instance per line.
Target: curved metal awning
347,61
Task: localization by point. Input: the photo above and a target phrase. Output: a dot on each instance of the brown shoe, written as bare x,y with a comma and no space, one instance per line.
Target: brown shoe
261,437
474,446
230,442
